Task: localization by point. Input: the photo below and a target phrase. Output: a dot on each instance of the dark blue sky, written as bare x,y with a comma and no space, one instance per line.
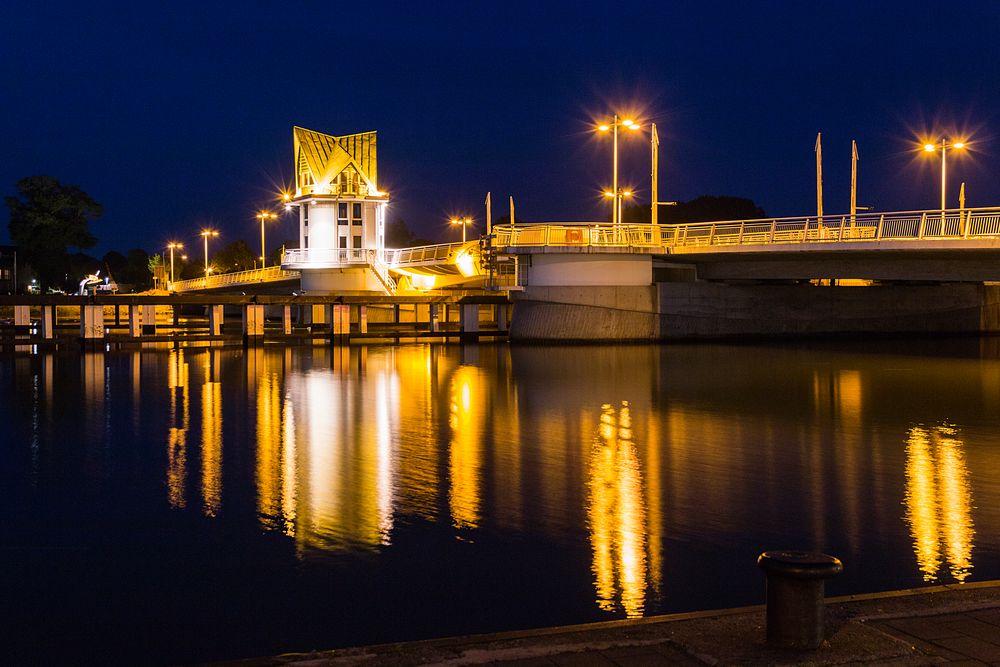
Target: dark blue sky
176,115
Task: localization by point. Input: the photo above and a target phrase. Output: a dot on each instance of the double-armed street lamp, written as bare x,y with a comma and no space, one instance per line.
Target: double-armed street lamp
262,216
943,146
173,246
465,222
617,204
613,128
205,234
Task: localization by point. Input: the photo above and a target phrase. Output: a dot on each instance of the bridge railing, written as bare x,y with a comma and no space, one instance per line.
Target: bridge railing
896,226
331,256
423,254
250,277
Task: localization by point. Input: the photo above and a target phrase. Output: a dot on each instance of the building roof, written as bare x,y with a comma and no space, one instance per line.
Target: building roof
324,156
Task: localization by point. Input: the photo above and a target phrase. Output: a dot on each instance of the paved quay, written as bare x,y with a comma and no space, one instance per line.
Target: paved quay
951,624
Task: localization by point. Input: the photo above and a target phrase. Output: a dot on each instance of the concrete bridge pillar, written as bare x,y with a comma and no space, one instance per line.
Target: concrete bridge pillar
92,323
253,322
432,316
469,318
148,319
340,319
134,320
215,319
22,320
501,316
286,320
316,315
363,319
48,322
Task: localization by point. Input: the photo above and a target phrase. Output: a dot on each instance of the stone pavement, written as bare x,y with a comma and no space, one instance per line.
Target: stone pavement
953,624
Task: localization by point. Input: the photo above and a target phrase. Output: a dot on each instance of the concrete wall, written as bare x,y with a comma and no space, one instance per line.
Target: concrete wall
705,310
708,310
328,281
608,313
590,269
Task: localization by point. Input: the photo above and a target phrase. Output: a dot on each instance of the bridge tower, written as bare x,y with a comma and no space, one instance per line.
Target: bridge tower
341,214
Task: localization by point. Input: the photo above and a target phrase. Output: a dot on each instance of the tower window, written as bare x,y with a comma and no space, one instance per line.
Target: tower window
342,213
356,214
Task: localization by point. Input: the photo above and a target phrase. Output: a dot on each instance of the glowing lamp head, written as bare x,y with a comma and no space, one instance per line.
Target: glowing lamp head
627,123
603,128
929,148
609,194
286,197
627,193
958,144
634,126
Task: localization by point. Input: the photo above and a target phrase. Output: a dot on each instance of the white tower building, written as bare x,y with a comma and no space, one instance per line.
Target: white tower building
341,214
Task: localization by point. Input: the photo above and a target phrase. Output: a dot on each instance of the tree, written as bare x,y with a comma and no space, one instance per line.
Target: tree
237,256
136,271
399,235
46,219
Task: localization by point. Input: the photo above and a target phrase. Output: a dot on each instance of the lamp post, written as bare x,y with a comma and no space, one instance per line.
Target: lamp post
205,234
262,216
173,246
943,146
613,127
464,222
621,194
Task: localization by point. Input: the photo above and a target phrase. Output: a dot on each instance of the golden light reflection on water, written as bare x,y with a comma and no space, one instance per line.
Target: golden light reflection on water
466,420
269,452
939,502
177,383
211,437
617,515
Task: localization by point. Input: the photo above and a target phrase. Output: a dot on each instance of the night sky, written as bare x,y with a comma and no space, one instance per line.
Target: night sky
179,115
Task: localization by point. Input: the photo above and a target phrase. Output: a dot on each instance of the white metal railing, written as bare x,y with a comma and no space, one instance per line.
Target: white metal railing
330,256
382,272
253,276
425,254
898,226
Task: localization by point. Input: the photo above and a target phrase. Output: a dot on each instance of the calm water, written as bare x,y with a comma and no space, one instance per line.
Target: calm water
182,505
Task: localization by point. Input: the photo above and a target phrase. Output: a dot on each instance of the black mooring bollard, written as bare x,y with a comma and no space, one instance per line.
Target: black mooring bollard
795,590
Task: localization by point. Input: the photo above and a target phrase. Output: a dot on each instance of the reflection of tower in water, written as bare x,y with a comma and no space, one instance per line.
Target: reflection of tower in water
616,514
466,420
939,502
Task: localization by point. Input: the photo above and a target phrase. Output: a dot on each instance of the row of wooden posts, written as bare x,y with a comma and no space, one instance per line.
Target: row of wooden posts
329,318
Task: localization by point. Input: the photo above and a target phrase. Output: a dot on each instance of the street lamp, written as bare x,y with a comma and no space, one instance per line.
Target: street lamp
618,200
464,222
173,246
262,216
205,234
943,146
613,127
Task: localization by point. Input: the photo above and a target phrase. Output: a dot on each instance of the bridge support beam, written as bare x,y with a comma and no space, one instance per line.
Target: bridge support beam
215,319
501,316
47,324
92,323
340,320
432,318
134,320
22,320
253,323
286,320
148,319
469,319
362,319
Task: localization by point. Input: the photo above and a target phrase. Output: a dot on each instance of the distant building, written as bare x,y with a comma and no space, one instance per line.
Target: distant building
8,269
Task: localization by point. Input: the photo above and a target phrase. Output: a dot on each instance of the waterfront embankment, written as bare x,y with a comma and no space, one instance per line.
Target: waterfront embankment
950,624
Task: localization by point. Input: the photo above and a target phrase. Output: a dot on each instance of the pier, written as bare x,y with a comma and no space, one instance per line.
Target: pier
250,319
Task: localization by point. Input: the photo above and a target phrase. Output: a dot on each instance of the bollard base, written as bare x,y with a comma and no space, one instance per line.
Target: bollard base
795,591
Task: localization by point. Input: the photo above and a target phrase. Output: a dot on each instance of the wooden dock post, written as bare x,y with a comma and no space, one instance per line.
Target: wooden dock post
92,324
134,320
47,324
253,323
286,320
434,322
362,319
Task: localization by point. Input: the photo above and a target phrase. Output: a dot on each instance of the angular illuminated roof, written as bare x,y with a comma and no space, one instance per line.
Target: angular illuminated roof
324,156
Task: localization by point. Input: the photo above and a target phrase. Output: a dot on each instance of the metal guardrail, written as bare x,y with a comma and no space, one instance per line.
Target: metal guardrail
897,226
423,254
234,279
332,256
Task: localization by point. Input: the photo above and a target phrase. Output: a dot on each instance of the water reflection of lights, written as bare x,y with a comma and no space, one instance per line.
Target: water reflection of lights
466,420
616,514
177,382
211,438
939,502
